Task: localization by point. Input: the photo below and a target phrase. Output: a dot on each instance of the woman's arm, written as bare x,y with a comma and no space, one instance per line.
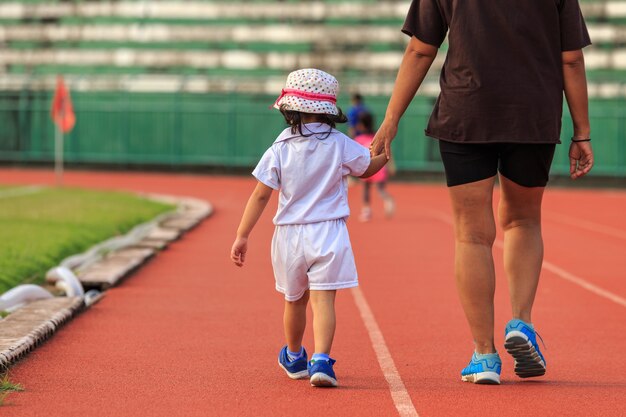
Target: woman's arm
416,62
575,86
256,204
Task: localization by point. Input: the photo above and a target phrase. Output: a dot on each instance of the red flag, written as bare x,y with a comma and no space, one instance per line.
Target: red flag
62,110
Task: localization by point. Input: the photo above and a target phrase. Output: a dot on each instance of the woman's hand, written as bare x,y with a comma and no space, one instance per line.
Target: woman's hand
382,141
238,252
580,159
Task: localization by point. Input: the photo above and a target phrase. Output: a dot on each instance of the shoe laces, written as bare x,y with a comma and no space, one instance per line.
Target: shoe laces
541,338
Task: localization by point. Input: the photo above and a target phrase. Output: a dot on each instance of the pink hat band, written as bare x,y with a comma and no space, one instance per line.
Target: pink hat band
309,90
305,95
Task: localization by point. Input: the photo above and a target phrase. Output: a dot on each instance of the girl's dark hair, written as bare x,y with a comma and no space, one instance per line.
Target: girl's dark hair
294,119
367,121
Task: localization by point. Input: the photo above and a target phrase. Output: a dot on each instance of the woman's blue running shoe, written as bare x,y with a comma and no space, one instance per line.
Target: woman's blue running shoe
296,369
321,373
520,340
483,369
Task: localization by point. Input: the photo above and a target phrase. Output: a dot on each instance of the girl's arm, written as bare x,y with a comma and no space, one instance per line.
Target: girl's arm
575,86
376,163
256,204
416,62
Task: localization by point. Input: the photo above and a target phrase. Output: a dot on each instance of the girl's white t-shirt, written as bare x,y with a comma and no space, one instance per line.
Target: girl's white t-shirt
311,172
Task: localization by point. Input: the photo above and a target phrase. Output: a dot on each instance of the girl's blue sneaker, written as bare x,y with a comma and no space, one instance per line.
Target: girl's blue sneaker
483,369
321,373
296,369
520,340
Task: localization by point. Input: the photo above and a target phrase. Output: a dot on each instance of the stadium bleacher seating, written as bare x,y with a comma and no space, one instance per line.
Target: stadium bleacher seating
185,68
160,41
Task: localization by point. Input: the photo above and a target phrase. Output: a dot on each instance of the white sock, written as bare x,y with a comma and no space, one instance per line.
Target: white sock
292,356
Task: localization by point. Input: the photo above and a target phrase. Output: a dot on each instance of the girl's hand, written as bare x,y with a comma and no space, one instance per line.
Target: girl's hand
580,159
238,252
382,141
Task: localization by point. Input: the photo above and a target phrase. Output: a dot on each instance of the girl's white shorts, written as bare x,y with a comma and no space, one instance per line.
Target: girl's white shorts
316,256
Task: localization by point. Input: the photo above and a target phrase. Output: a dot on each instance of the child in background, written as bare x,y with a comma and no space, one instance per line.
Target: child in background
308,165
358,107
365,125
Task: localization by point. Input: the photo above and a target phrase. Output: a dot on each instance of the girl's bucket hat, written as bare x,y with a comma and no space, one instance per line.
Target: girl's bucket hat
309,91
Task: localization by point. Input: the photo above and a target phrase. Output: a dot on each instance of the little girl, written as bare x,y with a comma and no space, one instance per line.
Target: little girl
308,165
365,125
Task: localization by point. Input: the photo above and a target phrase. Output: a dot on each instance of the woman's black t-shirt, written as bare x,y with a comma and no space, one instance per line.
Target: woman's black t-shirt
502,80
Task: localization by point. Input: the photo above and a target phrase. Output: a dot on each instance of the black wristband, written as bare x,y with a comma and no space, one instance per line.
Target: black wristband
581,140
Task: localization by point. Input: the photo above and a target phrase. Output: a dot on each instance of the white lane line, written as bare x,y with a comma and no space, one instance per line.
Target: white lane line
586,224
16,192
586,285
399,394
549,266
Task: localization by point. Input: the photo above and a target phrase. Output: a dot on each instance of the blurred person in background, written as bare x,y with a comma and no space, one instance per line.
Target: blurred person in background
365,125
499,111
358,106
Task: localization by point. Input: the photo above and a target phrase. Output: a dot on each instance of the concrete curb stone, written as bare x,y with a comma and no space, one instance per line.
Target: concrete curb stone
31,325
119,264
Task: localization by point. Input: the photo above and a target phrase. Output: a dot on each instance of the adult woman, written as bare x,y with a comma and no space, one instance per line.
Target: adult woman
499,110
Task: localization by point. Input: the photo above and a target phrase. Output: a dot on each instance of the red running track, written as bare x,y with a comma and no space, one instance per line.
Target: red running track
192,335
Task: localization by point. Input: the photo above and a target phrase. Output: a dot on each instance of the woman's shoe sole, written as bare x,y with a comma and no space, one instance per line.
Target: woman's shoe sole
528,363
483,378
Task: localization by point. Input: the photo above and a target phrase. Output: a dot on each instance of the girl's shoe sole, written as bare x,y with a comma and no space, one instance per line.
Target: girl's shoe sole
322,380
297,375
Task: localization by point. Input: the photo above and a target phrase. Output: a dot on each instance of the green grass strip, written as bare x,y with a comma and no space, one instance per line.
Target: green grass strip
38,230
7,387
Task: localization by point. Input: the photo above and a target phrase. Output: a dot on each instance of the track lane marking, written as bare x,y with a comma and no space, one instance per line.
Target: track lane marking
586,224
399,394
547,265
584,284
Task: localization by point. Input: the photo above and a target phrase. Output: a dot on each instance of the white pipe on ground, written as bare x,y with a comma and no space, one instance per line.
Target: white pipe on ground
20,295
92,297
95,253
65,280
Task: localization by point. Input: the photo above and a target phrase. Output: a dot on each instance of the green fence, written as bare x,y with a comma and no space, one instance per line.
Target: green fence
181,130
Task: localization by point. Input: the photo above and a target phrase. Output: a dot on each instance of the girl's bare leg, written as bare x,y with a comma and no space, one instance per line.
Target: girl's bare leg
294,321
323,304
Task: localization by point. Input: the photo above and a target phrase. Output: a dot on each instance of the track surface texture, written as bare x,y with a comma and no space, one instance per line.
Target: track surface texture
192,335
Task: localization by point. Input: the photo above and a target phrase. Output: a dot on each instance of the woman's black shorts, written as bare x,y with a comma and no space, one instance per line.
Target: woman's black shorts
525,164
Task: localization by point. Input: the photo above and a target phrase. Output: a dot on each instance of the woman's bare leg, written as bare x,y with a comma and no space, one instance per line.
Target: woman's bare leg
475,233
520,217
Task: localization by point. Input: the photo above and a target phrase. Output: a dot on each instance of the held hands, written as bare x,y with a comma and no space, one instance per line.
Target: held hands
238,252
580,159
382,141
